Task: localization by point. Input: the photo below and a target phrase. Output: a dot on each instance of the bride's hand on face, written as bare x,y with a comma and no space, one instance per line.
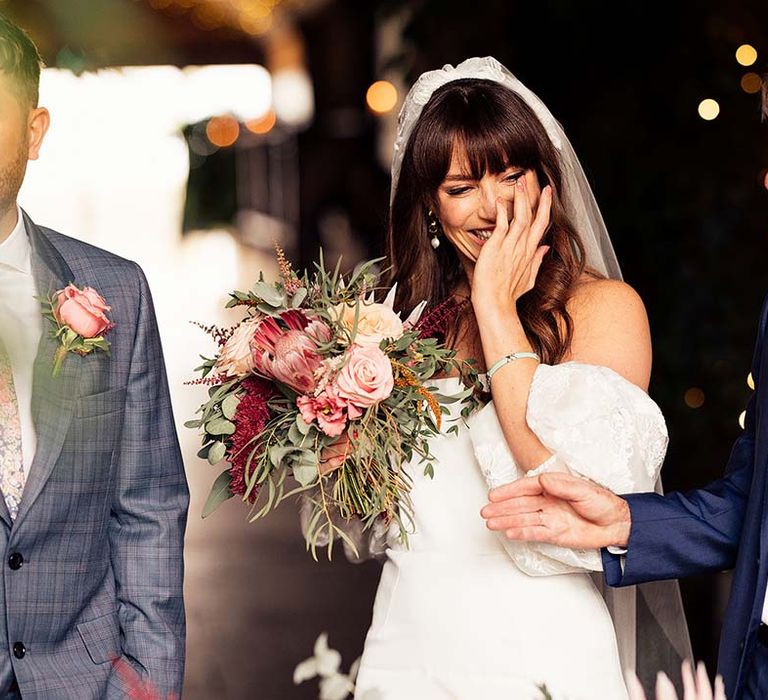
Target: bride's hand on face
510,259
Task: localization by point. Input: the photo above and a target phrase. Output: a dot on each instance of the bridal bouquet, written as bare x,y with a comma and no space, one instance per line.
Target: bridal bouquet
315,363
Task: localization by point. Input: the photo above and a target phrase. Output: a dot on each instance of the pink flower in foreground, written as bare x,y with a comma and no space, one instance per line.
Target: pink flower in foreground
133,685
367,378
285,348
328,409
83,310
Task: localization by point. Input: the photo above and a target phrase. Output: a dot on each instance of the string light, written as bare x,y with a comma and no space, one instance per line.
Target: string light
746,55
254,17
751,83
694,398
709,109
222,131
381,97
263,125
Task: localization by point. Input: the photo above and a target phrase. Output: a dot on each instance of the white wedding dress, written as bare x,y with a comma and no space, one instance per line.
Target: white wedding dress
463,613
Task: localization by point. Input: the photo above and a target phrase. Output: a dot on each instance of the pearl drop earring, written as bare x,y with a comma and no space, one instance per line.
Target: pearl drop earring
433,227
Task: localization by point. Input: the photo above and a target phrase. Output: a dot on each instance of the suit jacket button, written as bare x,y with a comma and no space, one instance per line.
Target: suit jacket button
19,650
15,561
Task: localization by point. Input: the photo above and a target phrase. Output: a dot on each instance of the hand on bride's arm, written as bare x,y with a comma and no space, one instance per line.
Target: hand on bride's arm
561,509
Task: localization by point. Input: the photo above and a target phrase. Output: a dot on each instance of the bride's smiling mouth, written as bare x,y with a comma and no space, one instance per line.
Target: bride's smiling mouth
481,235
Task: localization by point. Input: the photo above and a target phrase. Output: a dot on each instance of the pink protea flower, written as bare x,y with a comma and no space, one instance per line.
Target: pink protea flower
284,348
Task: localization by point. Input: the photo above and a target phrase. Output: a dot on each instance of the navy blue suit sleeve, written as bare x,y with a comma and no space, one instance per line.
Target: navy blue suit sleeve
683,534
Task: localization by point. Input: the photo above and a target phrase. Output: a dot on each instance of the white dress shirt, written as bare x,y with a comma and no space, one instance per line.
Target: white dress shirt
21,326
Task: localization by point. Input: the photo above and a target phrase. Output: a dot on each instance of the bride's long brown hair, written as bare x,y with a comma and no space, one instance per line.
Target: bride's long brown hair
496,129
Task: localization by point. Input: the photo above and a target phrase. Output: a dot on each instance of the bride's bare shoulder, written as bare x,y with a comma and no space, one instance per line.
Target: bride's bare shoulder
610,327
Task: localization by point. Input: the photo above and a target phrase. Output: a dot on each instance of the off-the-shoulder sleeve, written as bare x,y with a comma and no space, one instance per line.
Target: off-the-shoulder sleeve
597,425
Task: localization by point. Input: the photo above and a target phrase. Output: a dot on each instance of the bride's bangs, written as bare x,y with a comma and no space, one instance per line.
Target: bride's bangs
493,142
490,126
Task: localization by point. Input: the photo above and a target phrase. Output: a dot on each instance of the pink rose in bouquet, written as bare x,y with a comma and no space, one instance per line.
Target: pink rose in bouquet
83,310
284,348
366,378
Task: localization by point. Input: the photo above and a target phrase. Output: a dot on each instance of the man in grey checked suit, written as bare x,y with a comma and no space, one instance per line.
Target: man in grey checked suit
91,565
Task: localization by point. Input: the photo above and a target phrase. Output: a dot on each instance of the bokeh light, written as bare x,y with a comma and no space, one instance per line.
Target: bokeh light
746,55
293,97
742,419
750,381
751,83
381,97
222,131
255,18
709,109
262,125
694,398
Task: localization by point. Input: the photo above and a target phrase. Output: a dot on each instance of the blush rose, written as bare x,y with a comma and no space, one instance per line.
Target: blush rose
366,378
83,310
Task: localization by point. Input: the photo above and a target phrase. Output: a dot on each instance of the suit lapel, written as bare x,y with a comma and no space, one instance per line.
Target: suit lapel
53,399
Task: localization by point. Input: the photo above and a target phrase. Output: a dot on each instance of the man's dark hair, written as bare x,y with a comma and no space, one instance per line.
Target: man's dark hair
20,60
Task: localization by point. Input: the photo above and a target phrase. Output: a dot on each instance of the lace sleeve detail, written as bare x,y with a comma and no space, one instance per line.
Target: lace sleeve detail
597,425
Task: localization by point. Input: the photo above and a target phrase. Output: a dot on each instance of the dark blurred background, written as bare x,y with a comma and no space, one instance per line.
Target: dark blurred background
682,196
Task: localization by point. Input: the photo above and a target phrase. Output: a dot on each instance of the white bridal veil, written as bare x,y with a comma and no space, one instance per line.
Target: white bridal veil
649,619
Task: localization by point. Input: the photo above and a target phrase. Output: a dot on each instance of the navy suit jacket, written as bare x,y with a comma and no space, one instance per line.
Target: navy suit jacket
718,527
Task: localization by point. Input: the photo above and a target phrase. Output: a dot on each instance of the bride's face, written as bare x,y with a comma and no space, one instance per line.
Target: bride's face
467,207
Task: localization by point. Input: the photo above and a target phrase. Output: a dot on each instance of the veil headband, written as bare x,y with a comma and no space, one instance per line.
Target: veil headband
577,197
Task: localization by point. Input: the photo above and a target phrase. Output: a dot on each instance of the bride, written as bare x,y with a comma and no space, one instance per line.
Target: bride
490,210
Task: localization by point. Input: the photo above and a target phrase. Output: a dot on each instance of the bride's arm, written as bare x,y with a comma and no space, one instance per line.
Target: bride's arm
610,329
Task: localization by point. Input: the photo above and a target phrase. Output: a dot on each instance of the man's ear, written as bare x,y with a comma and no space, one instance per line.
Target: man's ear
37,127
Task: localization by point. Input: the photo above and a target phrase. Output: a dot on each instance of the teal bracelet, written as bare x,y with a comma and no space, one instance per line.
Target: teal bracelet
510,358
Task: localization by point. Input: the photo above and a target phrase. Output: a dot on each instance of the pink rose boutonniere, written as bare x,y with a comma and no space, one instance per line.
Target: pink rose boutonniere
80,320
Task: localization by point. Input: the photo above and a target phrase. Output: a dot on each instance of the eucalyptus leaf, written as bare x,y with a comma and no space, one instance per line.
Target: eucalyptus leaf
266,309
220,426
217,452
302,425
193,424
279,452
294,435
269,294
298,297
219,493
305,469
229,406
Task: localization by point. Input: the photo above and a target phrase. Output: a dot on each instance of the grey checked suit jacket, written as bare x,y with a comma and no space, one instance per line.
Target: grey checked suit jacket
101,522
